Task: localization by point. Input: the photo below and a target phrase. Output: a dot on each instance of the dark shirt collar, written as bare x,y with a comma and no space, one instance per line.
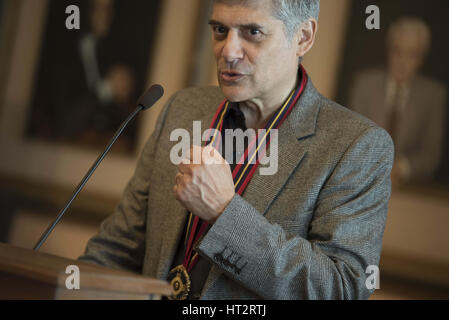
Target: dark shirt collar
235,119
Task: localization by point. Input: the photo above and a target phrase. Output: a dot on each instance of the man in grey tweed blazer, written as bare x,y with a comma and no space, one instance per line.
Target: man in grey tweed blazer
311,230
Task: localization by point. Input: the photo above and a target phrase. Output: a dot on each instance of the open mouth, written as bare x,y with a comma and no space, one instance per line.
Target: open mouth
231,76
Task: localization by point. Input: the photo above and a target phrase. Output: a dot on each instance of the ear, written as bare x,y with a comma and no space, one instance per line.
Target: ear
306,36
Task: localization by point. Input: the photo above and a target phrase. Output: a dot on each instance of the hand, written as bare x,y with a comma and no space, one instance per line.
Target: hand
205,189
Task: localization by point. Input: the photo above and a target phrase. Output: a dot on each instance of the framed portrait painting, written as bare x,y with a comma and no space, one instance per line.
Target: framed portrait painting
397,76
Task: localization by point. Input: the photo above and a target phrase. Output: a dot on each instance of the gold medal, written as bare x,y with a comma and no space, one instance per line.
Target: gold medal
179,279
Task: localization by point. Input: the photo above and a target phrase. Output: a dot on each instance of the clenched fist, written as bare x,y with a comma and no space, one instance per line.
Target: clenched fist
205,186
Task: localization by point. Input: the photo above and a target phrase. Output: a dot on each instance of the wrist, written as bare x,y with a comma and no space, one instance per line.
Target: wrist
220,212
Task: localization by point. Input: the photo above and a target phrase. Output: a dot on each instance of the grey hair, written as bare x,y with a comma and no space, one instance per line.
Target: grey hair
292,13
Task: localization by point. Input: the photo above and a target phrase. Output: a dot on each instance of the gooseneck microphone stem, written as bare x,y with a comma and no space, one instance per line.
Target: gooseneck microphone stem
86,178
145,102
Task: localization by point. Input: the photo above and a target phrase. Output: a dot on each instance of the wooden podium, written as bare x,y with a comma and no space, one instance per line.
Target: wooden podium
26,274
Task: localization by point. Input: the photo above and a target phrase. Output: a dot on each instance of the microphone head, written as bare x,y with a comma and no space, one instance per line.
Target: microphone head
151,96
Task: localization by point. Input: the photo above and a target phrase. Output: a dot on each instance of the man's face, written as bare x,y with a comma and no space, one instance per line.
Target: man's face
247,40
406,55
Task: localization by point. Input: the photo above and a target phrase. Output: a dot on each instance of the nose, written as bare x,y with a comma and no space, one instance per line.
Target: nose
232,50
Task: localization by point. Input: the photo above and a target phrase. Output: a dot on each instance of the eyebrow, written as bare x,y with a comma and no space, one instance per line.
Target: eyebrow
245,26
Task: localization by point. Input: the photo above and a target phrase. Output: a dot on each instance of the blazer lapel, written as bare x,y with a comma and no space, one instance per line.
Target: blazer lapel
176,218
171,232
262,190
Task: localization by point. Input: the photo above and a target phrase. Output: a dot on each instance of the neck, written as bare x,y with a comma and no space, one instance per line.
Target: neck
257,111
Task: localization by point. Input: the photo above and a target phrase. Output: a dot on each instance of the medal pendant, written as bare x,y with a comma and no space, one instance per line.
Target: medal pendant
179,280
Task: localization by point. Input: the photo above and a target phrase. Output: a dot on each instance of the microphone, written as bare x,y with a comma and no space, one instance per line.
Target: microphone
145,102
151,97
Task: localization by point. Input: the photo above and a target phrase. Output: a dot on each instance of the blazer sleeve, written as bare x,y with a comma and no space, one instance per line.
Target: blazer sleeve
345,233
120,242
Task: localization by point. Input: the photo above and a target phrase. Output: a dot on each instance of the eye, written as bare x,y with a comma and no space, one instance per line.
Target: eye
255,32
219,30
